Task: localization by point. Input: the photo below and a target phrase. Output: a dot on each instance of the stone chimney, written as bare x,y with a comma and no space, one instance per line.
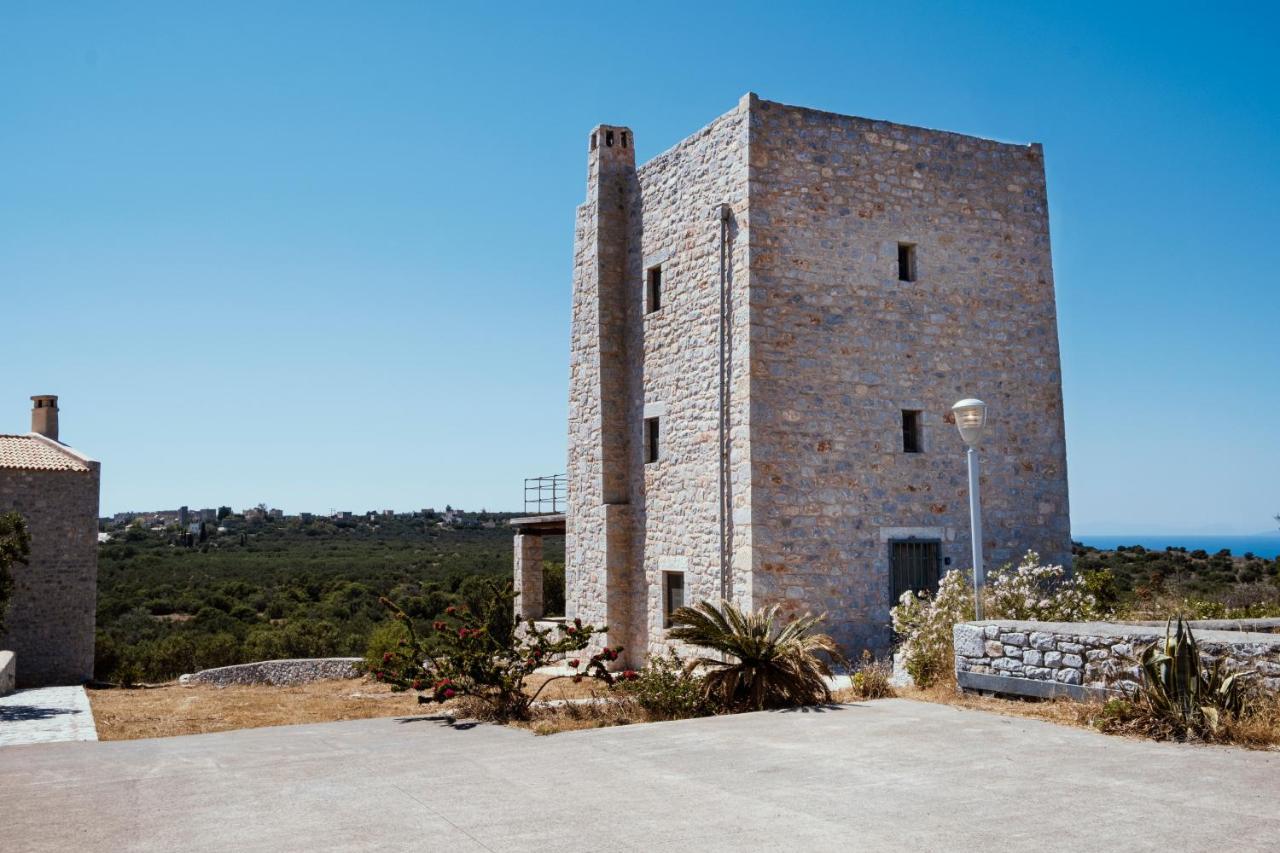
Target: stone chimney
44,415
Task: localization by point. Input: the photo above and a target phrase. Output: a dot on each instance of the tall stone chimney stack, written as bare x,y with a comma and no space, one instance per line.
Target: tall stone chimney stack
44,415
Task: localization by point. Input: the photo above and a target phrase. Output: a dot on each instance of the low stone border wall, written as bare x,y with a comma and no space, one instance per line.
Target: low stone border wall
8,673
1088,659
277,672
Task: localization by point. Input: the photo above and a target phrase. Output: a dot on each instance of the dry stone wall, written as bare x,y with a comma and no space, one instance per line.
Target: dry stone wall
1025,657
277,672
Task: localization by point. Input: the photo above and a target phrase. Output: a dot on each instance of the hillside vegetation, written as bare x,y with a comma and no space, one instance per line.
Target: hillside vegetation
1138,583
278,589
288,588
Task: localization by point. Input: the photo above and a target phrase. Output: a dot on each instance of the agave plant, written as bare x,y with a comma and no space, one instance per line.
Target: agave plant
767,664
1178,690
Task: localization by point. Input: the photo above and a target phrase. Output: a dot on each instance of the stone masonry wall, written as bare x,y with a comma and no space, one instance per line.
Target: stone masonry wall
826,347
675,501
1093,655
52,613
840,346
628,521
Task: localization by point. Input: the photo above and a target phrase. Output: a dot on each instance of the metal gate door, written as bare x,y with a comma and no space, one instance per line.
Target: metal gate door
914,565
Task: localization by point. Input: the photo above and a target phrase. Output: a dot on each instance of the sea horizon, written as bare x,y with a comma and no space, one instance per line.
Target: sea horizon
1260,545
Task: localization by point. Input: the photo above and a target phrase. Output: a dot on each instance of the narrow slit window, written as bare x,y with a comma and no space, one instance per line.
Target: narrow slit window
906,262
911,431
651,441
653,289
672,595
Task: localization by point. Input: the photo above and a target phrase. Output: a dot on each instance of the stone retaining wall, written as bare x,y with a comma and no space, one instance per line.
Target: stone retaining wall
277,672
1081,659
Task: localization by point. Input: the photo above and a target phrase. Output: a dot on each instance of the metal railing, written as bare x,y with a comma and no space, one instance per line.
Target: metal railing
544,495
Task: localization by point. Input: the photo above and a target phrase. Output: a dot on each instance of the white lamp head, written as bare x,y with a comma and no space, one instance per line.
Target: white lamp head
971,419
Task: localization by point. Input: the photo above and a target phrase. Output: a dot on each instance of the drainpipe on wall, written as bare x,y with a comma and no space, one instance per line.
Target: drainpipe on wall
726,584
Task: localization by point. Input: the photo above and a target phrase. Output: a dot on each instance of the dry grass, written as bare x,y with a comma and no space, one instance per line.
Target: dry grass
171,710
1259,729
1062,711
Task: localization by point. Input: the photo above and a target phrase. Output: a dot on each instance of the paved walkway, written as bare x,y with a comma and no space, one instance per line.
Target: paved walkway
45,715
890,775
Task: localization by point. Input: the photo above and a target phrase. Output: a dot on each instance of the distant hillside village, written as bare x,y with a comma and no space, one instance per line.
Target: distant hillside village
199,524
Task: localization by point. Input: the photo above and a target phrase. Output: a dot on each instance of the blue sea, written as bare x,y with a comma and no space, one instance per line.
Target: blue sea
1267,546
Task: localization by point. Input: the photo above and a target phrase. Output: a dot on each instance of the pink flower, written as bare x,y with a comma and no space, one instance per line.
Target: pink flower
575,663
449,693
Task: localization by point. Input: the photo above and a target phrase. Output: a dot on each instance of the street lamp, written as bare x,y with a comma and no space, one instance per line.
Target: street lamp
971,419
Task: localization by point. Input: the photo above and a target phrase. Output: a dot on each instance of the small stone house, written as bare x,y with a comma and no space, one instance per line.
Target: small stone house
770,323
51,617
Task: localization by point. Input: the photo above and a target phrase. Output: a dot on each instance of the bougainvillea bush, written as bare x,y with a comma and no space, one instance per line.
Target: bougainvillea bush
475,652
923,622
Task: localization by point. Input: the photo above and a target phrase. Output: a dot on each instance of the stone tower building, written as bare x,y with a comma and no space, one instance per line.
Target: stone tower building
771,321
52,613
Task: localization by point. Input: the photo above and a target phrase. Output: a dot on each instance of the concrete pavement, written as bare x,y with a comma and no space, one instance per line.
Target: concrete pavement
888,775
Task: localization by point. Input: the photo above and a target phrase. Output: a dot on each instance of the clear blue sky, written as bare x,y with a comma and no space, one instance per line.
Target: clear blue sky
319,254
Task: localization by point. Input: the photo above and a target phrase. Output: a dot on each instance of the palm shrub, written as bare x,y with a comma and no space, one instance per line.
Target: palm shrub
766,663
1178,691
473,652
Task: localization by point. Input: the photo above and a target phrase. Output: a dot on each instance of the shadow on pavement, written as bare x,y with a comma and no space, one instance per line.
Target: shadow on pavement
444,720
21,713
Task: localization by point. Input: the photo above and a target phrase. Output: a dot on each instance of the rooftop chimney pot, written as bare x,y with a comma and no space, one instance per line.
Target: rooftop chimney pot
44,415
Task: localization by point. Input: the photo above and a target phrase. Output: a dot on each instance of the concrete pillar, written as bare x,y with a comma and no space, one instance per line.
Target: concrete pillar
528,575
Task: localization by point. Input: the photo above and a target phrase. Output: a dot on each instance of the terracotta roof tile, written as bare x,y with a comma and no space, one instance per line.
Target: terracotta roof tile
24,451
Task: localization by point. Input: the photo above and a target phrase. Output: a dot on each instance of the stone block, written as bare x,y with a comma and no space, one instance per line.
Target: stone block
994,648
1015,638
1041,640
1070,648
1053,659
991,631
1068,676
1031,657
1073,661
968,640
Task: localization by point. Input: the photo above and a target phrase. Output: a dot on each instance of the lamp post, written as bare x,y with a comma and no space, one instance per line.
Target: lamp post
971,419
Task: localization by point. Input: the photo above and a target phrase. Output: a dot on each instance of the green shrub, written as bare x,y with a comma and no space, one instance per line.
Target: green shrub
475,653
769,664
1029,590
923,624
15,547
216,650
553,588
665,690
390,636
